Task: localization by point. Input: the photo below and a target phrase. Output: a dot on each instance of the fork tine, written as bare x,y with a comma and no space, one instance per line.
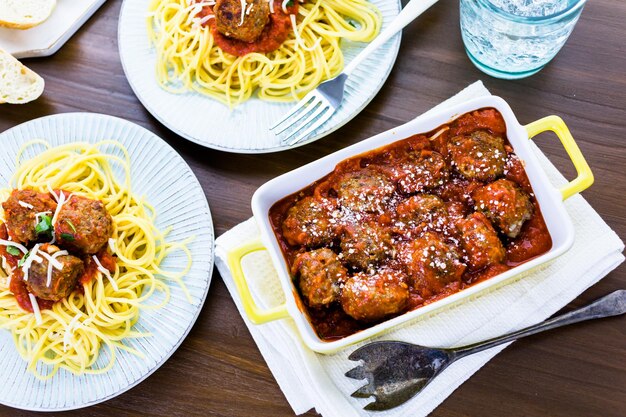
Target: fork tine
327,113
296,117
295,109
365,391
379,406
357,373
311,117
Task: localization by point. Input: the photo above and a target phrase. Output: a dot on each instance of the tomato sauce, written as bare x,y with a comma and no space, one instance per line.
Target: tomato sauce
273,36
331,322
91,268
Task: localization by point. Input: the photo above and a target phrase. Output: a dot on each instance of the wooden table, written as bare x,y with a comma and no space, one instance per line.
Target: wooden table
218,371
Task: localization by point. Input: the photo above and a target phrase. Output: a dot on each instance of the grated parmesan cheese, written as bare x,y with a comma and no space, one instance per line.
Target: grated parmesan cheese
21,247
31,258
25,205
36,311
243,11
105,272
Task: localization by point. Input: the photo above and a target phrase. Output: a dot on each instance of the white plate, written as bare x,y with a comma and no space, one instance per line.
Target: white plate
246,128
161,175
47,38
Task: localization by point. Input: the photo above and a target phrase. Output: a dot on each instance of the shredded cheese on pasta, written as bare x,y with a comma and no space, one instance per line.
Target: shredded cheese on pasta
72,334
188,59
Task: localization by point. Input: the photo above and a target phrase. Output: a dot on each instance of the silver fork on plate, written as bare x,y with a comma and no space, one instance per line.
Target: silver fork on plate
320,104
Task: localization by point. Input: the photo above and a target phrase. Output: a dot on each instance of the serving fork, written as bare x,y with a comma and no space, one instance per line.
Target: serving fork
396,371
320,104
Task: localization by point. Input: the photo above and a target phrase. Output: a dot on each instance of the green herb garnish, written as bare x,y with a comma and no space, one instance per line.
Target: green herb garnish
13,250
289,3
21,262
44,225
71,225
68,236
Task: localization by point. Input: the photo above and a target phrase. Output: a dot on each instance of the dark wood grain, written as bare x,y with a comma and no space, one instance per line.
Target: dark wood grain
218,371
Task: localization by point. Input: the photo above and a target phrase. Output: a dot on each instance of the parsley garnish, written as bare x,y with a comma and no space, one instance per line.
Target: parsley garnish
44,225
21,262
71,225
68,236
13,250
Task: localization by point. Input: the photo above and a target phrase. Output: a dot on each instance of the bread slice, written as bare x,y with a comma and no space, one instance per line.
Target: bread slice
18,84
24,14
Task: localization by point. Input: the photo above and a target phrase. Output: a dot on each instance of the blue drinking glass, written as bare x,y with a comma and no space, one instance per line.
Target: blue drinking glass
513,39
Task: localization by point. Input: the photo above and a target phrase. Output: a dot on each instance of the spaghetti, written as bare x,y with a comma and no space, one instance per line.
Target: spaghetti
190,59
71,334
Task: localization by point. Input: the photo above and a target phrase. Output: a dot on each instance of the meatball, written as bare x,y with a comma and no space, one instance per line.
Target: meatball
479,155
421,171
431,263
419,213
83,225
373,297
62,281
20,212
480,241
229,15
365,245
320,275
367,190
311,222
489,119
505,204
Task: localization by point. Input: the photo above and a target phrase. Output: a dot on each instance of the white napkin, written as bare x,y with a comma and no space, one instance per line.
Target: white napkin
310,380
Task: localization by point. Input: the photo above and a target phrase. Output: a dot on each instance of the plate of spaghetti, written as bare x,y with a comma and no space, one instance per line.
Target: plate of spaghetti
106,251
220,72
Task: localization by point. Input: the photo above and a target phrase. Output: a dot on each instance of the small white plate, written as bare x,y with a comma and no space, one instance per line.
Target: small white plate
48,37
246,128
167,182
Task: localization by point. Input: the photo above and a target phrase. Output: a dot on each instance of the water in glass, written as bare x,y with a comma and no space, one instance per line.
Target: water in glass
516,38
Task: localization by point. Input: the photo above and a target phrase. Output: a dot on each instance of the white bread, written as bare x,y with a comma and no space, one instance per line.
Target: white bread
18,84
24,14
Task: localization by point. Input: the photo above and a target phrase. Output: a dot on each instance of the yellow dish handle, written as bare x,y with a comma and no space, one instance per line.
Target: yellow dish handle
558,126
255,314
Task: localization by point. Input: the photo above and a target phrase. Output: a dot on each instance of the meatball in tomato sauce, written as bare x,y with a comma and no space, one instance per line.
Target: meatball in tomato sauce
243,23
368,190
505,204
311,222
365,245
479,155
419,213
421,171
62,280
431,263
21,210
371,297
83,225
480,241
320,274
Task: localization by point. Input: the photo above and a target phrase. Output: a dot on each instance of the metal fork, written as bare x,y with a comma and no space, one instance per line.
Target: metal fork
396,371
320,104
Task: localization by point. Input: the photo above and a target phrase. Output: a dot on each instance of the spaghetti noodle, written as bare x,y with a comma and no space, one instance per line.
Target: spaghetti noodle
71,334
189,58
